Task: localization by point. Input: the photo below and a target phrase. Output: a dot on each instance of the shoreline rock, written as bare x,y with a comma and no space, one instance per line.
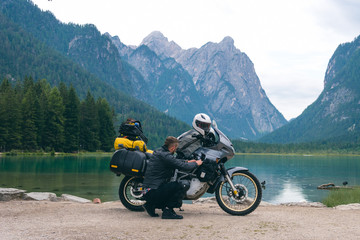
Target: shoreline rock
40,196
304,204
351,206
9,194
72,198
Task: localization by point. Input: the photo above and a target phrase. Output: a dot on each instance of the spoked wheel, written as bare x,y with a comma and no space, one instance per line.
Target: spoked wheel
248,197
130,193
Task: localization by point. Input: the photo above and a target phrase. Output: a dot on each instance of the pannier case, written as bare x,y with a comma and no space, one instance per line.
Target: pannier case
128,162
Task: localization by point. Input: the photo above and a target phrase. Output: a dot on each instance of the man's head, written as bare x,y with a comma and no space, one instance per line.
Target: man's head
171,143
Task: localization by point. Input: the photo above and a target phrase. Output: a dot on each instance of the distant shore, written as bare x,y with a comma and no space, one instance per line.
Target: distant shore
38,153
24,153
301,154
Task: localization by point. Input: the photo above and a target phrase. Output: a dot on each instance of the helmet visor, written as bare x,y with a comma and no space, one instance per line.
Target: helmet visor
204,126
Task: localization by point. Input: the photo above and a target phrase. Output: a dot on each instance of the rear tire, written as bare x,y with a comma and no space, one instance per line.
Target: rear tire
249,190
130,193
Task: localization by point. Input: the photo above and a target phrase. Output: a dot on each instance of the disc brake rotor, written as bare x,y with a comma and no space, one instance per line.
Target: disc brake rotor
242,193
135,191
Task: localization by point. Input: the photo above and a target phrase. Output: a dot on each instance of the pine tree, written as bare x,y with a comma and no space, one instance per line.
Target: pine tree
13,109
54,130
5,89
63,91
72,121
29,117
106,126
89,124
42,89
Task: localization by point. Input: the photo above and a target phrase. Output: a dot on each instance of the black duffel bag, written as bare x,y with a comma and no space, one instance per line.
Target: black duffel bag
128,162
207,171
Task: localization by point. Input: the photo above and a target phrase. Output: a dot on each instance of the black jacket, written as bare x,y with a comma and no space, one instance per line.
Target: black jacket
161,166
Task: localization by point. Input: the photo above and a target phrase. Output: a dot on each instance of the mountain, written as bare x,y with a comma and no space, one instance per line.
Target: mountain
225,78
23,54
217,78
166,85
84,44
335,115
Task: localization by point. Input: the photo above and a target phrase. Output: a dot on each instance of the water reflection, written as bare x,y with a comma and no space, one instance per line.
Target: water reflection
288,178
295,178
289,193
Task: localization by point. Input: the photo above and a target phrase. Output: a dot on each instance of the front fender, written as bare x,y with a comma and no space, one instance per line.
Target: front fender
230,171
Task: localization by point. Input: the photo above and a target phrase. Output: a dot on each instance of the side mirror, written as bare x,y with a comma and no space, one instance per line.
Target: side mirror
214,124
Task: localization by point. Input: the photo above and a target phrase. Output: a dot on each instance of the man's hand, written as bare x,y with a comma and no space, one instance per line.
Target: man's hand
198,162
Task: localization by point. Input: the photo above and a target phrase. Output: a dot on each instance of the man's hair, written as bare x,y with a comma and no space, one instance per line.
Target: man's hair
169,141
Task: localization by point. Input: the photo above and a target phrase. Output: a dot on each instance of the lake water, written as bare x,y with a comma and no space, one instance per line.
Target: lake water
288,178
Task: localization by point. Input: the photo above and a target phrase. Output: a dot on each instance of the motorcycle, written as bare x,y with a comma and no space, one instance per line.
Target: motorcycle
237,190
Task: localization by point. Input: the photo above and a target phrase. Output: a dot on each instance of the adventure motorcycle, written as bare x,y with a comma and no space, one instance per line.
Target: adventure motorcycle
237,191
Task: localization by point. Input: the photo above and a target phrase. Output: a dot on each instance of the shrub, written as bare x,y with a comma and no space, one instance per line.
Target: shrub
342,196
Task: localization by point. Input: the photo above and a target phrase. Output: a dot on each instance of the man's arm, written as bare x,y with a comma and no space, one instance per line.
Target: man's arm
180,163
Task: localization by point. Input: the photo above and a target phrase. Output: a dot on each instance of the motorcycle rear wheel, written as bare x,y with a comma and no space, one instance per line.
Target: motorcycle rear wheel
249,194
130,193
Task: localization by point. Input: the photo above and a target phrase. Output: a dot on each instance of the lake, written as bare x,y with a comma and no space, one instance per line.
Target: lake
288,178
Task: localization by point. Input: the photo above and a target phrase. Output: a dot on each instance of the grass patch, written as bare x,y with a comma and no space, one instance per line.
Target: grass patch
342,196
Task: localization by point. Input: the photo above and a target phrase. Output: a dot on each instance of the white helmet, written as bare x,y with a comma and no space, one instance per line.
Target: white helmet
201,123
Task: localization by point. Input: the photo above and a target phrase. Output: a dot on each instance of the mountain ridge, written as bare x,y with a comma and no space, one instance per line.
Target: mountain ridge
23,54
335,114
219,88
226,77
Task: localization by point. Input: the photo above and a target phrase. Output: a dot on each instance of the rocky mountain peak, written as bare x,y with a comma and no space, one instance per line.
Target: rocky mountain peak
154,36
227,41
226,78
160,44
342,54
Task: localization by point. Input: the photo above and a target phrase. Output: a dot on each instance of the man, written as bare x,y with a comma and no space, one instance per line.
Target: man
159,191
200,136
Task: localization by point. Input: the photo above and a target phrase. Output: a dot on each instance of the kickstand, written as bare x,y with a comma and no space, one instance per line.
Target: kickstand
180,209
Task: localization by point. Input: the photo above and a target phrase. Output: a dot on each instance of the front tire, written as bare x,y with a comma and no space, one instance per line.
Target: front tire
249,194
130,193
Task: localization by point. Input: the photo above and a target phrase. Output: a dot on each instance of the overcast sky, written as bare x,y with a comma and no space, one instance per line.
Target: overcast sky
289,41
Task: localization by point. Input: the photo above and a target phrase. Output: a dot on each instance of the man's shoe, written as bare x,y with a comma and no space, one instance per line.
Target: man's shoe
150,209
170,214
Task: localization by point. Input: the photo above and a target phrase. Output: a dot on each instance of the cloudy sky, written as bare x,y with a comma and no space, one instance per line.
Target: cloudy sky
289,41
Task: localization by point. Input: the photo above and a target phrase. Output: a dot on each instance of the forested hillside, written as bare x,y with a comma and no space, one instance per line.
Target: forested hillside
35,116
21,55
81,43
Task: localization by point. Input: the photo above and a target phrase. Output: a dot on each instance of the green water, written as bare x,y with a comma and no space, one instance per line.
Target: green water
288,178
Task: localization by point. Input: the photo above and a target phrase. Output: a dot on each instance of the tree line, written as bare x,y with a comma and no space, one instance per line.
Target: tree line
35,116
319,147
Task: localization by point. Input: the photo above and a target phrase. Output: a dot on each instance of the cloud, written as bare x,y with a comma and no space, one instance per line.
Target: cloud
340,17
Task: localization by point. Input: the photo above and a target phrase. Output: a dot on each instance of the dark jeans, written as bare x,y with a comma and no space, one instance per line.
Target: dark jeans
168,195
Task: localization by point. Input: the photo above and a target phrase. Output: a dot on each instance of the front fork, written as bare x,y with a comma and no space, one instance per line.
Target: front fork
228,178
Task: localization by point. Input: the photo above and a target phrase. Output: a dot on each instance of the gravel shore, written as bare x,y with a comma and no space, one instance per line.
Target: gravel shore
69,220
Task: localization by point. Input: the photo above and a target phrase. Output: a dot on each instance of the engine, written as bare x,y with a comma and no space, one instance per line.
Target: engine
196,190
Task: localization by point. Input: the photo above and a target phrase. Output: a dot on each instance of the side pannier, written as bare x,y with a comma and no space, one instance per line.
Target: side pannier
128,162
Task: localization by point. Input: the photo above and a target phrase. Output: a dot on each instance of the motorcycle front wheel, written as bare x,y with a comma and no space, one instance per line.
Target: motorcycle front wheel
130,193
248,197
